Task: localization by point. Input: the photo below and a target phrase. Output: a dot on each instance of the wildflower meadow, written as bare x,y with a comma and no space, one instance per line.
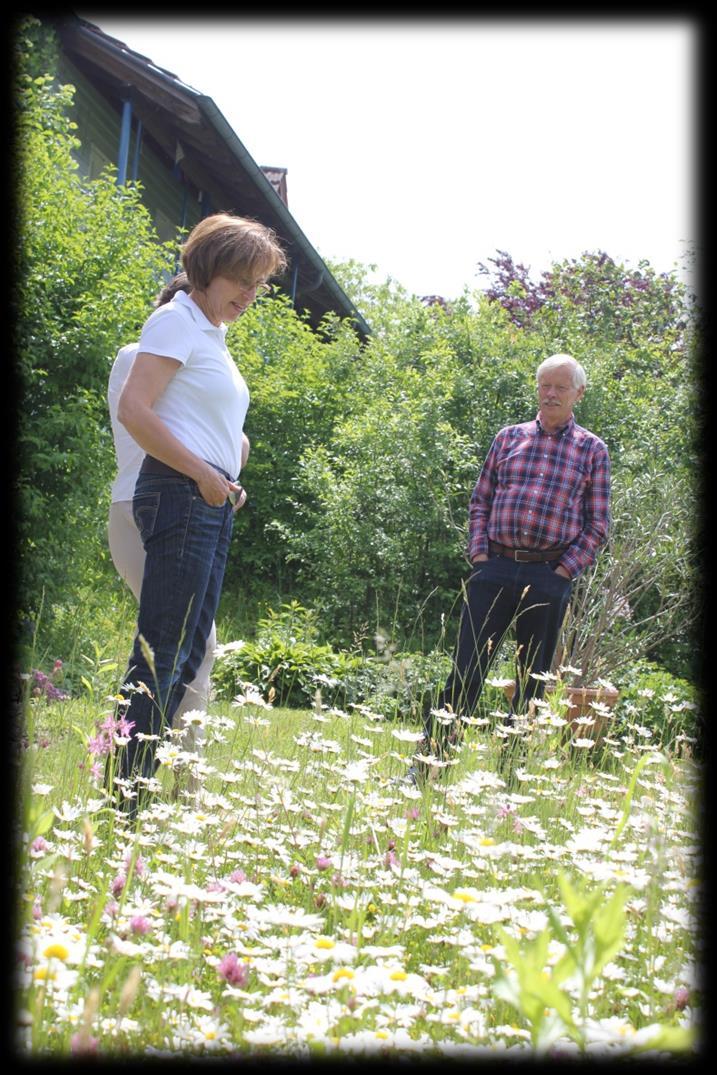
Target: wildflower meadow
538,895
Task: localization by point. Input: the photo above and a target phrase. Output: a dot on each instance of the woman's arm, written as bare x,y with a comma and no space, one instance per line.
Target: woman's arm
147,380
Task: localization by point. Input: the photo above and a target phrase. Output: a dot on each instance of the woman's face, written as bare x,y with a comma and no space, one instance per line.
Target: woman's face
225,299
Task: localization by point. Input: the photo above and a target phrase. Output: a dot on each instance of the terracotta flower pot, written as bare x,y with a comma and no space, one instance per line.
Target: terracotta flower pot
581,699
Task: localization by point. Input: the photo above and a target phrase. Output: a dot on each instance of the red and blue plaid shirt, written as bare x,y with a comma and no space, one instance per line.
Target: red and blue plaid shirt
540,490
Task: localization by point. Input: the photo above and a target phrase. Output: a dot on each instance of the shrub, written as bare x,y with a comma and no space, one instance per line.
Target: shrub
405,681
88,263
640,593
668,706
287,663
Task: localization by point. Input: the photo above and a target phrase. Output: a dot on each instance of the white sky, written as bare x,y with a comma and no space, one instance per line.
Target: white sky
425,146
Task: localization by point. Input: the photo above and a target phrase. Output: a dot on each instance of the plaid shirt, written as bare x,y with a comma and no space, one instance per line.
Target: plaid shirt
539,490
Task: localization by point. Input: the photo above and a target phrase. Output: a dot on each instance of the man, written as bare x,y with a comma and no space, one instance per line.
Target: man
538,516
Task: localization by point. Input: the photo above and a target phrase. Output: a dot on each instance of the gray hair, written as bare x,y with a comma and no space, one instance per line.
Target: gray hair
579,375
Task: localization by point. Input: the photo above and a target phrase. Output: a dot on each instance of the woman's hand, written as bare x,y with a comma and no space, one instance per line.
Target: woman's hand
215,488
240,500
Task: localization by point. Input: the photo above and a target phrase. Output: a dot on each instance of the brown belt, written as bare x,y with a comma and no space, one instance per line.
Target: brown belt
525,555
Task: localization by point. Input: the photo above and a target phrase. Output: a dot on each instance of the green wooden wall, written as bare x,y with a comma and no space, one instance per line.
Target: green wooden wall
98,129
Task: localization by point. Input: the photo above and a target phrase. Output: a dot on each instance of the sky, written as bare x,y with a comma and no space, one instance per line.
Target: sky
423,147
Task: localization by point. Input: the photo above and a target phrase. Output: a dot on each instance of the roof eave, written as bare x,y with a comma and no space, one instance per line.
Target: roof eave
225,131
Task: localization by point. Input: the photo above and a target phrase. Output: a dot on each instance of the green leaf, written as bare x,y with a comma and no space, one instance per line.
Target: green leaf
672,1039
40,822
646,759
579,907
609,929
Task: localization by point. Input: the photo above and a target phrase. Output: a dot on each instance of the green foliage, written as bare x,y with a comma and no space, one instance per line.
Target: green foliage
542,993
669,706
640,592
403,681
299,382
87,264
287,663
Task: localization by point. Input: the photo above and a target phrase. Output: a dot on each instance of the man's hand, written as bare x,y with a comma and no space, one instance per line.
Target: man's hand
480,558
560,570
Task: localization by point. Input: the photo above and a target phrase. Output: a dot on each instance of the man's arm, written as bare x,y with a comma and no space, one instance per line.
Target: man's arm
480,505
582,552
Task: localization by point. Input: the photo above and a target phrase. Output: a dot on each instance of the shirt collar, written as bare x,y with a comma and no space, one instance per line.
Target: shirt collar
567,428
200,318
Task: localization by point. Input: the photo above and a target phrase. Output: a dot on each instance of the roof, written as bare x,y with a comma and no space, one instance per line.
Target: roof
212,156
277,178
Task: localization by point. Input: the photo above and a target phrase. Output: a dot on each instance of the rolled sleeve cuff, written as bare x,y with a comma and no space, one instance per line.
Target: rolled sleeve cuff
477,546
575,560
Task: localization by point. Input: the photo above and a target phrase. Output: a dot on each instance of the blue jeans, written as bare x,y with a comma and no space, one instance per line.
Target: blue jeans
496,598
186,543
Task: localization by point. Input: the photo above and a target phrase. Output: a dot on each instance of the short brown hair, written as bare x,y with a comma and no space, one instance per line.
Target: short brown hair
236,247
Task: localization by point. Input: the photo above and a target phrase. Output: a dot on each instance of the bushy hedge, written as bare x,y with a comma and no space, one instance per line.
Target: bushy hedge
88,264
363,457
670,707
288,665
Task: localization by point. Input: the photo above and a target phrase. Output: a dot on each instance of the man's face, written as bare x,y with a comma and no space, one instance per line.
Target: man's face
557,395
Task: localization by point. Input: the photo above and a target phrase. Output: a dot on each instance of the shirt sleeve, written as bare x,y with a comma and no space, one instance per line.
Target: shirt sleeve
481,502
165,333
582,552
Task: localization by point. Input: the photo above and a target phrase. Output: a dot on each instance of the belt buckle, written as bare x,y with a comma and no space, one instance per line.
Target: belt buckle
517,556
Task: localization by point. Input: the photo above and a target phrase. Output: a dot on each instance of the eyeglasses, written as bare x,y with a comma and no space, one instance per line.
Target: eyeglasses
261,287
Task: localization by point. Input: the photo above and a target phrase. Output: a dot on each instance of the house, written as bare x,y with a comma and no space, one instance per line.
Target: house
176,142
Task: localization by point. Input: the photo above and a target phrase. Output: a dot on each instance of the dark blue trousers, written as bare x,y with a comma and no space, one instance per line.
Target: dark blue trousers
501,593
186,543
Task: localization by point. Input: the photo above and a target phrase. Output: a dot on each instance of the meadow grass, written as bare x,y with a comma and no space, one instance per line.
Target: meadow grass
536,897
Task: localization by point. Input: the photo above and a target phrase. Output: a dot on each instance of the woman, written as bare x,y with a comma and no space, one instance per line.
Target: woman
184,403
125,544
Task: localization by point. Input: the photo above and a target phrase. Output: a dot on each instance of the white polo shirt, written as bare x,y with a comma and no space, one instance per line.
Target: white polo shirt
205,403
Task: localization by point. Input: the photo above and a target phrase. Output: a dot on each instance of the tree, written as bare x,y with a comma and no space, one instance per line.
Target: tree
87,266
606,299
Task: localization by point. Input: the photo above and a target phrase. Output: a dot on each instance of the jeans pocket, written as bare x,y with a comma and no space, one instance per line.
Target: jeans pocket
200,506
145,507
560,578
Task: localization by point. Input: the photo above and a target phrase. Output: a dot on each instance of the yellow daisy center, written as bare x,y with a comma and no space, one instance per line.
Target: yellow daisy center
466,897
56,951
